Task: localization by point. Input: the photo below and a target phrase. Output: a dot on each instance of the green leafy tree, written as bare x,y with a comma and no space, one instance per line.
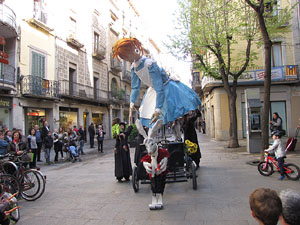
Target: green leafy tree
210,31
270,24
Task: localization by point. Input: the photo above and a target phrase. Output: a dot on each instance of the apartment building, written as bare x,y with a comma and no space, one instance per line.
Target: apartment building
285,89
8,65
60,67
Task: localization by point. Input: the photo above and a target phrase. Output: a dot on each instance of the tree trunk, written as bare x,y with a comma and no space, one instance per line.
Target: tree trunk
267,90
233,134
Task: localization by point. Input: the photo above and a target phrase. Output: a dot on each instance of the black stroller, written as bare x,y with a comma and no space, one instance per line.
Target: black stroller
180,165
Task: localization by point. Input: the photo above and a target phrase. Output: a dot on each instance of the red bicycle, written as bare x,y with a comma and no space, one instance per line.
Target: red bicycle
266,168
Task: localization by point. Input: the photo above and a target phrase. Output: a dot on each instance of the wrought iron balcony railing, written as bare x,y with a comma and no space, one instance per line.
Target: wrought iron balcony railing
7,16
81,91
115,65
39,87
99,52
126,76
7,74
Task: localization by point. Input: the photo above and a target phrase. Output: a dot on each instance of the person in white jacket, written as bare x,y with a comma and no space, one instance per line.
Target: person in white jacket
279,152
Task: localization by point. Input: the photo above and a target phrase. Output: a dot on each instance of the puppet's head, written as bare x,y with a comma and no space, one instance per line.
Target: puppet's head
149,141
129,49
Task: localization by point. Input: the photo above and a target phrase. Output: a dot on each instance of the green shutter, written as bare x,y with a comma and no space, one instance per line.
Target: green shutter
38,67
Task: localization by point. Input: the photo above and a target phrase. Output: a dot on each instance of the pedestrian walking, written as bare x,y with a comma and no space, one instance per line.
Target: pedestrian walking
81,140
32,146
48,143
122,155
92,133
100,137
45,130
39,143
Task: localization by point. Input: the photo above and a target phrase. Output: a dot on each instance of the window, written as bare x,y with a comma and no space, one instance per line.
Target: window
38,65
96,42
39,10
276,54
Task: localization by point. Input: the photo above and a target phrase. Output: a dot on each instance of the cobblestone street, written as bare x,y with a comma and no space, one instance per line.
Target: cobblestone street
88,193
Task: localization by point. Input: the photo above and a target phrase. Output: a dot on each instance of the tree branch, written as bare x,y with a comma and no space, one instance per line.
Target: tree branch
254,6
237,75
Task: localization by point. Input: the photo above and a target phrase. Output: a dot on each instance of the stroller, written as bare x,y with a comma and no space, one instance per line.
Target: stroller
71,148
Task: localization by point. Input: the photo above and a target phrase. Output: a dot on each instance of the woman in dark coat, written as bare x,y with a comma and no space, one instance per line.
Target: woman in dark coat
122,155
191,135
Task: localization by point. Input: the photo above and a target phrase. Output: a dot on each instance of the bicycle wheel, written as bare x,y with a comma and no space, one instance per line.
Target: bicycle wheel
30,185
15,215
9,184
42,185
265,169
292,171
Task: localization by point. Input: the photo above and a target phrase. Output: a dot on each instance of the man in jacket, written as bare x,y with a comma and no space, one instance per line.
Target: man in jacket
92,133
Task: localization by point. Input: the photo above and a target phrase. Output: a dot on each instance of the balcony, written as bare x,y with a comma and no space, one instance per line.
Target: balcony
117,96
34,86
8,24
126,76
82,92
72,40
115,65
7,76
281,74
99,52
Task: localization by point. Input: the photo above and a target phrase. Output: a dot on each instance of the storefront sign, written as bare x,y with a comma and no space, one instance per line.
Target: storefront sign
5,102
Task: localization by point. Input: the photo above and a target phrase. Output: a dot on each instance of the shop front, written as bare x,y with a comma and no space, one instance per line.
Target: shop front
34,116
68,117
97,118
5,112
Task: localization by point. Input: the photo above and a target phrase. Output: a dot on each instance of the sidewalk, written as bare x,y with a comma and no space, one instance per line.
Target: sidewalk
108,145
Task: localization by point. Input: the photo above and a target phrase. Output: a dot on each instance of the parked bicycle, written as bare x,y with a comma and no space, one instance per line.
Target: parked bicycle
265,168
32,182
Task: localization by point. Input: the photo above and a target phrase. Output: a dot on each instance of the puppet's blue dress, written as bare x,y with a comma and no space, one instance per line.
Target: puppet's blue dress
173,98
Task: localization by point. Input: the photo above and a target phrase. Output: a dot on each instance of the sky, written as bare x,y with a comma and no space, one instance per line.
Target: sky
160,22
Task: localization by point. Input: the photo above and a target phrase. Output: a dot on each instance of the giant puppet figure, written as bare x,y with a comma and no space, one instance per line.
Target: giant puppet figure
164,101
165,98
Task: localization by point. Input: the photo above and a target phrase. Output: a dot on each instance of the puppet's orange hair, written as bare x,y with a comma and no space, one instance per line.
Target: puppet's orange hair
125,45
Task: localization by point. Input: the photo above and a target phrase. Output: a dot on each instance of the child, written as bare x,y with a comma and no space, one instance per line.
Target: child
48,142
279,152
265,205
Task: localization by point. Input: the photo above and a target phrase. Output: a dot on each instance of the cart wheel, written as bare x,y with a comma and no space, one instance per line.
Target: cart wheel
194,176
135,181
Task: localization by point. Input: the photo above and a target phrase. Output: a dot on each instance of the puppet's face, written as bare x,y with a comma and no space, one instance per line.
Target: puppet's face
130,55
151,146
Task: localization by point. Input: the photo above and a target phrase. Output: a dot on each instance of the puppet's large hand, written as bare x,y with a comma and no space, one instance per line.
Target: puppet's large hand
155,116
148,167
163,164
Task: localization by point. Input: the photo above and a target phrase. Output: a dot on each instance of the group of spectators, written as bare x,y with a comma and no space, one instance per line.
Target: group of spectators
15,142
267,207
